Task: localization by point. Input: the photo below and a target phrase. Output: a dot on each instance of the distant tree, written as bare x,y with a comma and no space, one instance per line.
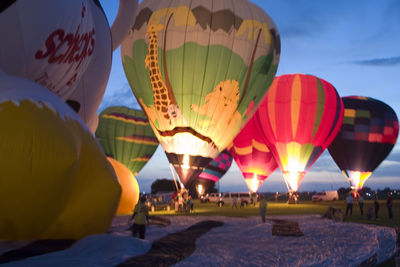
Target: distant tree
161,185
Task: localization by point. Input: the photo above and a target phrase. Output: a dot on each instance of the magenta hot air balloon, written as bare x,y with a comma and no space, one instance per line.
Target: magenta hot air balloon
252,156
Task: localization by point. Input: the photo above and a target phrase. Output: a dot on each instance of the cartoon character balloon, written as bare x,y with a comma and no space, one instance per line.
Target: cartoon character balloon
298,119
214,172
55,181
66,46
125,135
369,132
252,156
195,67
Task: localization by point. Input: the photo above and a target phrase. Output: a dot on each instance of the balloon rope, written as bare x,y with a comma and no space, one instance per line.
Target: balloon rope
173,176
250,68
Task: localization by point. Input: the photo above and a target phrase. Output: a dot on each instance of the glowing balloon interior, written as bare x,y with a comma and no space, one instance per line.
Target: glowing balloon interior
368,134
298,119
196,67
252,156
125,135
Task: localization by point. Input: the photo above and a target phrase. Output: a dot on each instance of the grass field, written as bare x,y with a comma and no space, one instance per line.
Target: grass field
306,207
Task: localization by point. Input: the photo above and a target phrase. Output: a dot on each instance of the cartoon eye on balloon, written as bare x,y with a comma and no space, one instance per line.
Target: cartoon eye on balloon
298,119
368,134
195,68
126,136
252,156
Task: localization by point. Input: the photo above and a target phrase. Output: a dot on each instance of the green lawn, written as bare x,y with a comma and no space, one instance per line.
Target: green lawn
306,207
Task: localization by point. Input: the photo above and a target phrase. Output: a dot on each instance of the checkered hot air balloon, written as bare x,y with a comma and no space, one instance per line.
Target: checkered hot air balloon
215,170
368,134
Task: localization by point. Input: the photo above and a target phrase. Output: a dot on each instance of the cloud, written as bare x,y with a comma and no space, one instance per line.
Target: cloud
388,61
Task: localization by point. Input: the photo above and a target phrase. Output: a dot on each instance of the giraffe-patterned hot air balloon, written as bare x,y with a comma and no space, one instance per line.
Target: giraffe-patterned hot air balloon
195,68
368,134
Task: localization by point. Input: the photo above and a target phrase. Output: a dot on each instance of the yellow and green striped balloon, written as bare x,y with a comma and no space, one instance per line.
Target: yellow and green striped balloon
125,135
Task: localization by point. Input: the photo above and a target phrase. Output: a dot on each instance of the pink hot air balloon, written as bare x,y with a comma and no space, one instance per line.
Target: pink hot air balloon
252,156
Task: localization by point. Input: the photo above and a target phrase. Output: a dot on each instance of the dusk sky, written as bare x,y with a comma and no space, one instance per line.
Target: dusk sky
354,45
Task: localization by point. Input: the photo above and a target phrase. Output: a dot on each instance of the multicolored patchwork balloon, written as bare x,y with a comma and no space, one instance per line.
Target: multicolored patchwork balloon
195,68
252,156
298,119
215,170
368,134
125,135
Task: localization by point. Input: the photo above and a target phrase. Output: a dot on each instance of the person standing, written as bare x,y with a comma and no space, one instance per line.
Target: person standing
349,206
234,202
389,205
376,205
140,216
360,201
263,207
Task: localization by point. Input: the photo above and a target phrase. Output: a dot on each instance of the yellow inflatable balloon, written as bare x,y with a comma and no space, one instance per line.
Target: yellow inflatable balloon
55,181
129,186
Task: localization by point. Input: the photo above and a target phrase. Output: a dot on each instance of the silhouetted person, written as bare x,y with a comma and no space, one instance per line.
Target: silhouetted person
140,216
389,205
376,206
360,201
263,208
349,206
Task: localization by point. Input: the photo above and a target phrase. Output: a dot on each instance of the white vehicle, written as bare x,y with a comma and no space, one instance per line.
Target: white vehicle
211,197
241,198
325,196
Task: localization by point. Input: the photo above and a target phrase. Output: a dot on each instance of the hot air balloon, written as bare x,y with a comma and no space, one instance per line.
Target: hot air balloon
214,172
66,46
55,181
51,43
129,187
298,119
368,134
252,156
195,67
125,135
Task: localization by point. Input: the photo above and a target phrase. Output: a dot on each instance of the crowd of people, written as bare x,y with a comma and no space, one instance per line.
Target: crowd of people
373,210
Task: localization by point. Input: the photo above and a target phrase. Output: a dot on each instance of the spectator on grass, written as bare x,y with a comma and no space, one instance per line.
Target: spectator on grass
389,205
349,206
369,212
376,205
140,216
234,202
263,207
360,201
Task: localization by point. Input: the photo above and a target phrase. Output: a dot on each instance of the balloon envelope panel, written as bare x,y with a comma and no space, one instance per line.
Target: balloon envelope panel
217,167
252,156
48,42
125,135
55,181
299,118
129,186
368,134
196,67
